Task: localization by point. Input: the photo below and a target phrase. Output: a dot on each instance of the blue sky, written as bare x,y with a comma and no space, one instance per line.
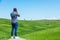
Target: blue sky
31,9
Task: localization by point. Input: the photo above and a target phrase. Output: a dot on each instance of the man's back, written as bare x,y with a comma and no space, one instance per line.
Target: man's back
14,16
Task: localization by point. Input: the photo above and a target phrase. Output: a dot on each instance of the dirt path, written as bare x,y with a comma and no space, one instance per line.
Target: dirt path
17,39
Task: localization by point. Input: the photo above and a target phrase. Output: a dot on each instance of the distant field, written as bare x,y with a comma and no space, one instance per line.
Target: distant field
32,29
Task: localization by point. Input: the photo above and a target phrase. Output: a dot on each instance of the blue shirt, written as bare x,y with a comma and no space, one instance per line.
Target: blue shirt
14,16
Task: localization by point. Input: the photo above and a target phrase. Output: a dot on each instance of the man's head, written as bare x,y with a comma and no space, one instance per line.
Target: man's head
15,9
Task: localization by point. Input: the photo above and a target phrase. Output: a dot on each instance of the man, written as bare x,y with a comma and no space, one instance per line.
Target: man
14,23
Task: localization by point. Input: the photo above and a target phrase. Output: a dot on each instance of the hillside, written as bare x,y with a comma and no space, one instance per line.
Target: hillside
49,34
32,29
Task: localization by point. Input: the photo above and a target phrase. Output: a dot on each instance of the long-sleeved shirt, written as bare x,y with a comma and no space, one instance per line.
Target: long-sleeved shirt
14,16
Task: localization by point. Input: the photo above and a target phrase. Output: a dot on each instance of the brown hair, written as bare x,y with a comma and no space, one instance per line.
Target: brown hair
15,10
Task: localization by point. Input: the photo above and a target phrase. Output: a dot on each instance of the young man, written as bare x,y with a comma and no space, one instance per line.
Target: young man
14,23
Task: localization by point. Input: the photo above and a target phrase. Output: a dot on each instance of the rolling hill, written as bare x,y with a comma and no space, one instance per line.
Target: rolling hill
32,29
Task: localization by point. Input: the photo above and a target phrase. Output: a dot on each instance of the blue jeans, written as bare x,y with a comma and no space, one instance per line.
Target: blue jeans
14,29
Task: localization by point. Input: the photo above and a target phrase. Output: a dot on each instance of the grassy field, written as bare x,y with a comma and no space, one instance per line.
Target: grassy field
32,29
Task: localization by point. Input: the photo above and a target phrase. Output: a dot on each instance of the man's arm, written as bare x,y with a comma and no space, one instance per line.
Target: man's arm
18,15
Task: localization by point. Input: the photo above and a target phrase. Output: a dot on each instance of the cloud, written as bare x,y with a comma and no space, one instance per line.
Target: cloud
50,18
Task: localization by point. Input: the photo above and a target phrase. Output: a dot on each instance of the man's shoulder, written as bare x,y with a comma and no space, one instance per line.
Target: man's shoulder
12,13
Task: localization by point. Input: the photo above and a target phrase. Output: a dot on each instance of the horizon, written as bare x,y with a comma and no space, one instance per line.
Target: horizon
31,19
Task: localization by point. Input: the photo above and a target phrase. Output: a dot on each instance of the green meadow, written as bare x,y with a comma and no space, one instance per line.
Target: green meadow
32,29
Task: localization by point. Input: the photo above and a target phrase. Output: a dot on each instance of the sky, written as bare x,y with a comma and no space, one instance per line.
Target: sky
31,9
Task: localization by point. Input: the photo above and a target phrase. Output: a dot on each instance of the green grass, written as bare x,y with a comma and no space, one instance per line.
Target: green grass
49,34
32,29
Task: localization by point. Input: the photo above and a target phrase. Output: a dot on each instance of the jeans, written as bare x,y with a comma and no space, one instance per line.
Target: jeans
14,29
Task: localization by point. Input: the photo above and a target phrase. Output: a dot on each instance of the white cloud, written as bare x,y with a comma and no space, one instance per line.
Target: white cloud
50,18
